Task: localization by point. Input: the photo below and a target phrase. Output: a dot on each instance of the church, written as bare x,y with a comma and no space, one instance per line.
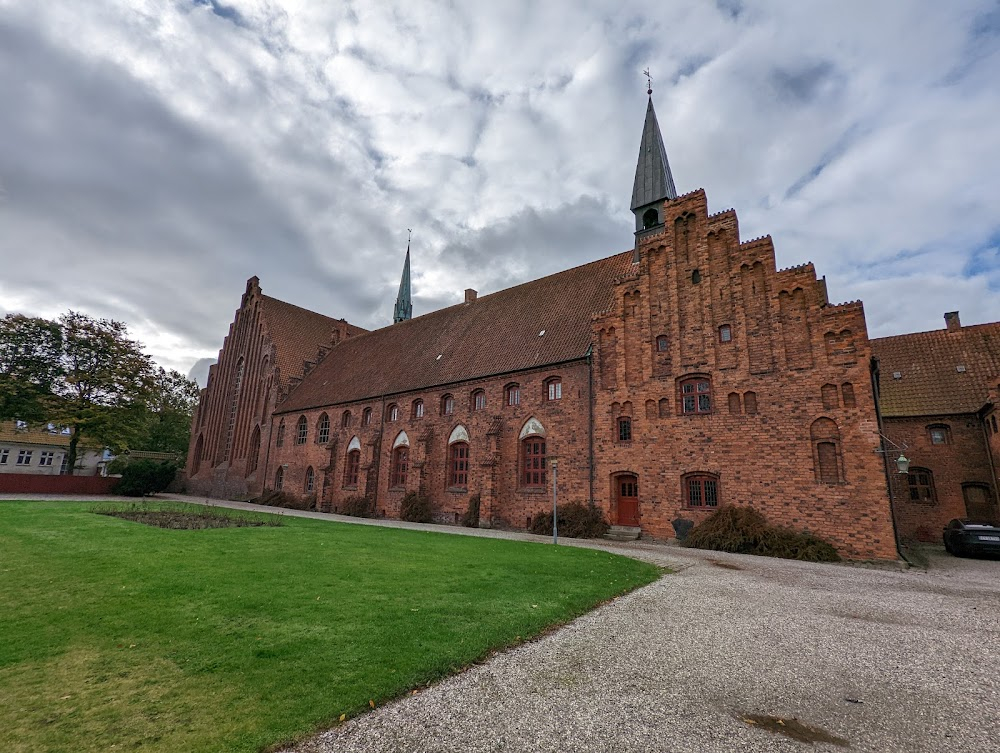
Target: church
683,374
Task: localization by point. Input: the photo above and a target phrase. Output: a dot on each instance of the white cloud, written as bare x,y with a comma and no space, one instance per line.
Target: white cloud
163,153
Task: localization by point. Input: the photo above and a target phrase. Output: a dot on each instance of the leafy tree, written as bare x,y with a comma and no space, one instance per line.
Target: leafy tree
29,365
170,405
103,380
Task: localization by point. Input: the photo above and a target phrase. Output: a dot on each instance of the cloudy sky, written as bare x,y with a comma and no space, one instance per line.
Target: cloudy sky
155,154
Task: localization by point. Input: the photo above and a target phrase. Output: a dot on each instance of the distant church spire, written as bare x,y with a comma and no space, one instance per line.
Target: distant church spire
653,181
404,306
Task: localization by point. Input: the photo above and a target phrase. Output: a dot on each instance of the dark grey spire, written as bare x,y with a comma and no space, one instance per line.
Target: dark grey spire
404,306
653,181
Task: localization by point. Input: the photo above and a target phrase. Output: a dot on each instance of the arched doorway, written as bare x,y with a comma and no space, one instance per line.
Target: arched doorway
627,500
978,502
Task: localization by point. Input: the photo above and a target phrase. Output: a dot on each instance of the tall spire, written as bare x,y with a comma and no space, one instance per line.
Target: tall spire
404,306
653,181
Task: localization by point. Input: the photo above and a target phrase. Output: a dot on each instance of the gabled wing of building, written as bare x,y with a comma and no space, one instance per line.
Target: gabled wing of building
943,372
541,322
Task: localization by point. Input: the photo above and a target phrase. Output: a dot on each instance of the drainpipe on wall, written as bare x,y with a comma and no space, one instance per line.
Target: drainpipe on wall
874,368
590,432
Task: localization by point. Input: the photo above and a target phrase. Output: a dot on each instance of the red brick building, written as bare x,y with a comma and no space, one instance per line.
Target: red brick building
939,393
683,374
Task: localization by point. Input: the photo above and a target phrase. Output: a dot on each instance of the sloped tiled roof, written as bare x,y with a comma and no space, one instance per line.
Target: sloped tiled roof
36,436
496,334
297,333
930,382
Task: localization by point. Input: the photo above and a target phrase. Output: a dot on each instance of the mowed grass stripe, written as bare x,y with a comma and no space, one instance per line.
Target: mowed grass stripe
113,633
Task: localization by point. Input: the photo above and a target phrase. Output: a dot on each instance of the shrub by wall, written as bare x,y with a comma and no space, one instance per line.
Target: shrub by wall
142,477
357,507
416,508
576,521
744,530
471,517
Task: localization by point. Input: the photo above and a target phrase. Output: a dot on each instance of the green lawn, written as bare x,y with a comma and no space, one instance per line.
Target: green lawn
119,636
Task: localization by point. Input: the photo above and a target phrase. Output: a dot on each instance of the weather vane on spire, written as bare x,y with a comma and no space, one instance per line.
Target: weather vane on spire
649,82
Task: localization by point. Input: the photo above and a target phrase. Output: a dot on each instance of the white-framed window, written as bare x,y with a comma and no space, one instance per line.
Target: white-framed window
46,458
3,456
24,457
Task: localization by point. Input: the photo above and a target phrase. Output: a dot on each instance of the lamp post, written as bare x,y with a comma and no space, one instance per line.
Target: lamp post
554,464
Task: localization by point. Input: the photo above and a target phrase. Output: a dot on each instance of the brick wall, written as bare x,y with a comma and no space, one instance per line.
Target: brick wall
954,465
767,382
494,447
22,483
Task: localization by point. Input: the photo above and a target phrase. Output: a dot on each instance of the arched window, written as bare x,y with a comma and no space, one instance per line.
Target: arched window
696,395
323,429
310,480
345,419
400,466
750,402
478,401
447,405
701,490
650,219
418,409
366,417
533,450
512,394
392,413
301,430
826,451
662,344
353,464
351,468
280,439
553,388
458,465
279,478
921,483
254,450
234,404
939,433
199,449
725,333
696,276
533,463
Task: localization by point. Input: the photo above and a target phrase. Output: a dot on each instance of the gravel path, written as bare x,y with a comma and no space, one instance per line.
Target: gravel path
674,667
886,660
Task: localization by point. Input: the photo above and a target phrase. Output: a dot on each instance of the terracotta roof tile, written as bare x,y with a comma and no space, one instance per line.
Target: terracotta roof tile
298,333
495,334
36,436
928,363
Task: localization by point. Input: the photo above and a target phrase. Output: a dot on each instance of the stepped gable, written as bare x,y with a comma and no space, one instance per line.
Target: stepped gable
494,334
297,333
930,382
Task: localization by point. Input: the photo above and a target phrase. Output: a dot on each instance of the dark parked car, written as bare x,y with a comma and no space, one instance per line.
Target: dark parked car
964,537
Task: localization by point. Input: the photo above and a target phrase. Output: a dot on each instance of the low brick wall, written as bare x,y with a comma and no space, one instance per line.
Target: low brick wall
27,483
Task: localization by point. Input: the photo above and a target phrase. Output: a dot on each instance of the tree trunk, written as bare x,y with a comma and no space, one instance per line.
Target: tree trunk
74,439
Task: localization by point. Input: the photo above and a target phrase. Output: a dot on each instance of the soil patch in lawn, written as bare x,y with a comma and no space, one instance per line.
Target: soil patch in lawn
794,729
186,517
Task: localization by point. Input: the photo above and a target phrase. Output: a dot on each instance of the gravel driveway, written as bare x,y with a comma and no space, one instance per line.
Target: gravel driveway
883,660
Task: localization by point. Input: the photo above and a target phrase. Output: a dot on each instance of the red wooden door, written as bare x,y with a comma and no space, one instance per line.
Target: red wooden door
628,500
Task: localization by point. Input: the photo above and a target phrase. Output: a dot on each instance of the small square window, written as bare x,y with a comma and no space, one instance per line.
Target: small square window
24,457
46,458
725,333
661,344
